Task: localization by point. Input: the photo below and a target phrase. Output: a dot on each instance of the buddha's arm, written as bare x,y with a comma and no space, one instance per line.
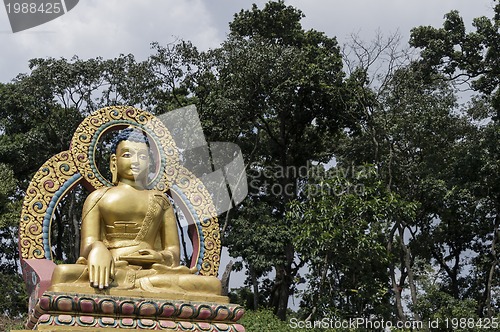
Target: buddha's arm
170,238
91,223
99,259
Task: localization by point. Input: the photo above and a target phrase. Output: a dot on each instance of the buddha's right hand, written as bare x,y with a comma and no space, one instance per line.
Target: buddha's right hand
101,266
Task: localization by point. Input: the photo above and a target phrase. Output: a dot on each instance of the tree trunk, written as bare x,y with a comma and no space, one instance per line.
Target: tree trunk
225,278
324,271
489,310
409,270
186,259
60,231
255,286
73,216
283,293
397,294
395,286
284,282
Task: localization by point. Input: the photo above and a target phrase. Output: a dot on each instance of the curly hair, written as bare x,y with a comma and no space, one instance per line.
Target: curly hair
129,134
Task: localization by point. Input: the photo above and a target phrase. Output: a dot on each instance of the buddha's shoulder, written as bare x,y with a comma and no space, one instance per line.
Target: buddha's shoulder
101,190
161,198
96,195
94,198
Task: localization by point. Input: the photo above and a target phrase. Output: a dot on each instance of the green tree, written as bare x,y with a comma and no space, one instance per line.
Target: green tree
341,226
284,88
14,300
426,150
471,59
463,57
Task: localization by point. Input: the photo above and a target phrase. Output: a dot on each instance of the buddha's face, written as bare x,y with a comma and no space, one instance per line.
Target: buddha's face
132,161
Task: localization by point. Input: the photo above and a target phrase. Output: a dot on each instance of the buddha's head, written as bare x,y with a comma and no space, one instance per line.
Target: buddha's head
129,161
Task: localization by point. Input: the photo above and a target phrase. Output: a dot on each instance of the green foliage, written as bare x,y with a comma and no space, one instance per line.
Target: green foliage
275,22
283,87
341,225
14,299
464,56
242,296
11,324
450,314
427,151
263,320
469,205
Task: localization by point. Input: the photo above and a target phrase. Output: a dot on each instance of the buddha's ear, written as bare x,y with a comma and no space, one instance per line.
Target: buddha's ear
112,168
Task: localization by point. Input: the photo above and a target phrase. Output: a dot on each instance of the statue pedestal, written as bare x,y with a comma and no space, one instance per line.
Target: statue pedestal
88,312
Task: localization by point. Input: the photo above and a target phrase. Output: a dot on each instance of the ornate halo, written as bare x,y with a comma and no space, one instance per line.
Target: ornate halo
90,131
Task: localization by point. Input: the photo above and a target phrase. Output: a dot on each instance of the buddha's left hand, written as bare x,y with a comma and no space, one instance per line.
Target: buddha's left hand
144,256
152,255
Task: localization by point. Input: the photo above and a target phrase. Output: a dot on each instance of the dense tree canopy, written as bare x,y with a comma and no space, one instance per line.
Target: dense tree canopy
284,86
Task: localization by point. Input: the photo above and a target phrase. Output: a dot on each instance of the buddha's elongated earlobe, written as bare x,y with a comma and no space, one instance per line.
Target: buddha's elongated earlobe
114,171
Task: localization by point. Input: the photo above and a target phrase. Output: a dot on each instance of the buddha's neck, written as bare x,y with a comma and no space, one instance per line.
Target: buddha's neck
134,184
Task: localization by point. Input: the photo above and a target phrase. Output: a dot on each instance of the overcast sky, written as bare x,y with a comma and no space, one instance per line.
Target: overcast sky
107,28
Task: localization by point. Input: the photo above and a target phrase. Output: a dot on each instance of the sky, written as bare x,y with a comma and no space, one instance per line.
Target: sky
112,27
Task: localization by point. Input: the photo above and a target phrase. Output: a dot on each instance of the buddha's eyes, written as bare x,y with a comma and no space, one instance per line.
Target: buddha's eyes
140,155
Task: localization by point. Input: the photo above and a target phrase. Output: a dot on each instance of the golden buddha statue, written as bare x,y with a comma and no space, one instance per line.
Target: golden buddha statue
129,237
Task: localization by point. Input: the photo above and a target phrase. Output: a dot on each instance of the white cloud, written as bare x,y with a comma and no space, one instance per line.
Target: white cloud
107,28
341,18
